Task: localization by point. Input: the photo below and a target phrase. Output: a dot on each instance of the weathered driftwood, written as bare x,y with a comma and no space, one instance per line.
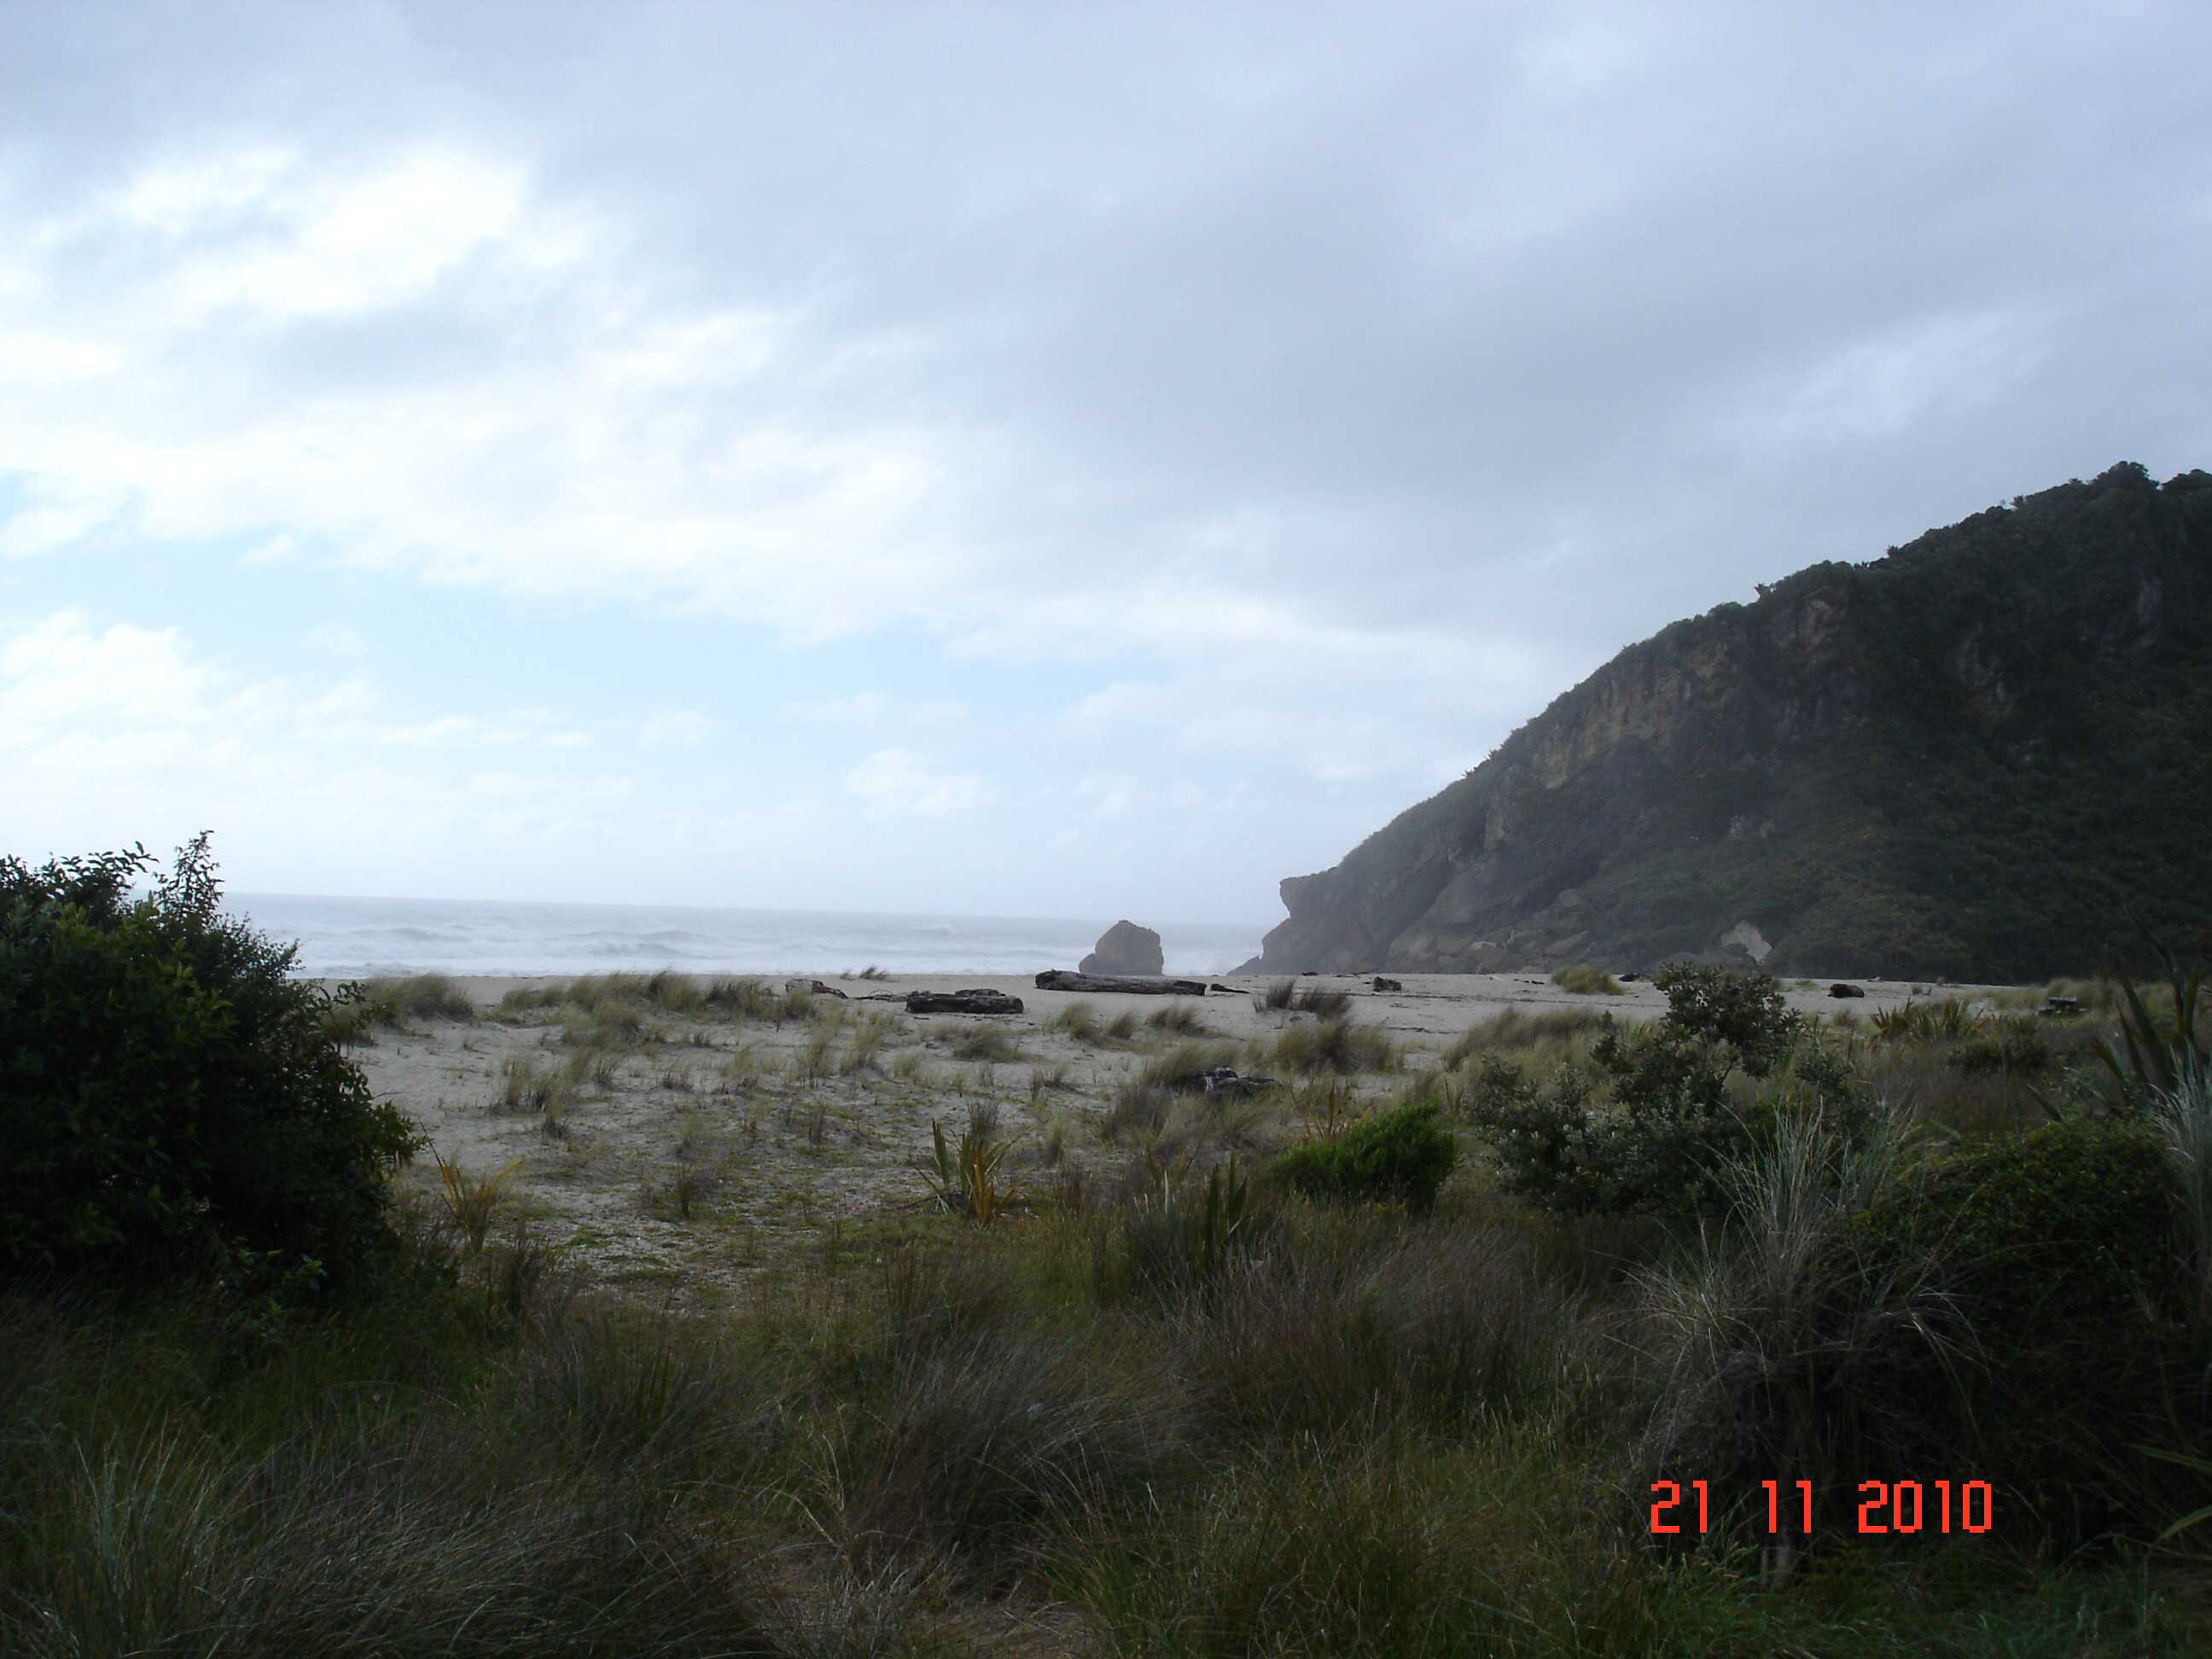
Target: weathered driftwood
1221,1082
1058,979
1230,989
810,988
962,1002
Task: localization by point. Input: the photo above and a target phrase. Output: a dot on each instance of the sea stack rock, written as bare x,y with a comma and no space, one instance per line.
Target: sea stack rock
1125,948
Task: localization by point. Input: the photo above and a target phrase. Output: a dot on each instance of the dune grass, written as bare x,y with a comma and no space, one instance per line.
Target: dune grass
1587,982
1293,996
1341,1046
1513,1029
983,1043
389,1004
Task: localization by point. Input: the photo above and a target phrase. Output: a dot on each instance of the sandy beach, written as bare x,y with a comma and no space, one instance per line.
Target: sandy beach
693,1156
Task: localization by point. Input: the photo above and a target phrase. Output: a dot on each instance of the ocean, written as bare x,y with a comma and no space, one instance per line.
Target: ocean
367,937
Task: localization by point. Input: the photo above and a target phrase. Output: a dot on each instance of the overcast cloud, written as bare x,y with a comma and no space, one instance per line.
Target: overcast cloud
1029,460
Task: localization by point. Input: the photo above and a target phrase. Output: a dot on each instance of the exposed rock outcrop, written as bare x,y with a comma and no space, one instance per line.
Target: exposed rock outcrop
1966,758
1125,948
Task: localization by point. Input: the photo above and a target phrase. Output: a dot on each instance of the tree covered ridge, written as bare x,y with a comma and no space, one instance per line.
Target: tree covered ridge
1972,756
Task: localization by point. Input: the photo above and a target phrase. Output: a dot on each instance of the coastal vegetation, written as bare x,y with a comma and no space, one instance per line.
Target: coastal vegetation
1586,982
1401,1357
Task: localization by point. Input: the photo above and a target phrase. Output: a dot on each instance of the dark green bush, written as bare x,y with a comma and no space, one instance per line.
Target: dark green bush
2056,1246
1404,1156
1649,1129
175,1102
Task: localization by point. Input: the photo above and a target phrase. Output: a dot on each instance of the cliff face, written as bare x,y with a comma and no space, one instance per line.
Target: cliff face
1981,754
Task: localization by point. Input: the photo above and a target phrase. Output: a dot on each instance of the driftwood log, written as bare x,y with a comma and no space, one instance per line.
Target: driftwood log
962,1002
1058,979
810,988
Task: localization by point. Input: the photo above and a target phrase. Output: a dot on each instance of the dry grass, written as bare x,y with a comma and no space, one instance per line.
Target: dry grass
1512,1029
1587,982
1337,1046
986,1045
1290,995
528,1084
389,1003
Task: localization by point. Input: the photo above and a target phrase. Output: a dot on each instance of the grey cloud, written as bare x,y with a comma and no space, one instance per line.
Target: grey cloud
1494,321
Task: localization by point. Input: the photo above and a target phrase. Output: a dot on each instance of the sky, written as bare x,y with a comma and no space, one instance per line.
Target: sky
998,460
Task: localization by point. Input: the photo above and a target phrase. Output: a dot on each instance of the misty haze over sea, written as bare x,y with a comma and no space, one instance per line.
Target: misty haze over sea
361,938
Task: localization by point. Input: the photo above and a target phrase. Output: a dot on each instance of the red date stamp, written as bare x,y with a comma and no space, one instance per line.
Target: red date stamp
1884,1506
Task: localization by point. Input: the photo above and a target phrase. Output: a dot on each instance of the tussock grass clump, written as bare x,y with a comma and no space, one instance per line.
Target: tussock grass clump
1377,1545
987,1438
1179,1233
1513,1028
693,1176
1078,1020
1775,1346
1176,1020
1139,1111
1338,1046
817,1059
1293,996
740,999
1334,1318
528,1085
983,1435
988,1045
871,1035
390,1002
334,1544
607,1025
599,1067
1185,1060
1587,982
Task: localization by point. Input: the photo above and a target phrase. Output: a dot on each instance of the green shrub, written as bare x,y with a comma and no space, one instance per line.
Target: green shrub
2057,1248
1177,1018
1404,1156
1587,982
1651,1127
172,1097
